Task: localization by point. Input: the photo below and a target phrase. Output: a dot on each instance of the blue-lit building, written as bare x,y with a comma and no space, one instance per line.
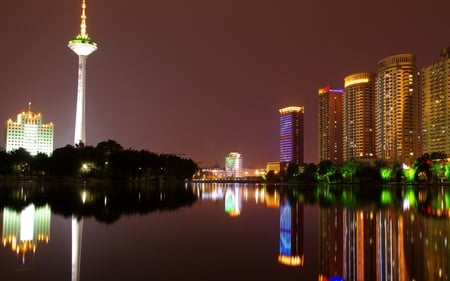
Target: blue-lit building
291,135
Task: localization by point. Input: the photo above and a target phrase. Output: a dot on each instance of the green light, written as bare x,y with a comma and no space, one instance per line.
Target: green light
386,173
447,171
386,197
409,174
447,200
348,198
411,197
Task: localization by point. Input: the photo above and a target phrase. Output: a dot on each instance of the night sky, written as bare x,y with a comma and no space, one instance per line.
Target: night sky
202,77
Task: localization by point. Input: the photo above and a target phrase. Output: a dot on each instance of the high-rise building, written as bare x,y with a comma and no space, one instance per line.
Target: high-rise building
83,46
359,113
291,134
435,88
396,109
233,165
29,133
330,125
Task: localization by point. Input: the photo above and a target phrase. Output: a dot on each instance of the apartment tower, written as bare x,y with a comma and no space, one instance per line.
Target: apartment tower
435,90
396,109
330,125
359,122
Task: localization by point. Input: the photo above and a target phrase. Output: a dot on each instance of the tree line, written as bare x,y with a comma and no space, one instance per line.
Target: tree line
428,168
107,160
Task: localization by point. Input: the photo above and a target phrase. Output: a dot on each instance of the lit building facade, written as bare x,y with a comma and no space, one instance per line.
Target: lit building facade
359,112
330,125
29,133
291,135
435,89
83,46
396,109
233,165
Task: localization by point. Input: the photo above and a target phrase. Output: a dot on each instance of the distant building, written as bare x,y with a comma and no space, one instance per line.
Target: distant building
330,124
396,109
29,133
273,166
291,135
359,113
435,82
233,165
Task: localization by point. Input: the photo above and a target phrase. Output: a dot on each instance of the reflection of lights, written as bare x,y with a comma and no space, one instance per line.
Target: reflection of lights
291,260
406,204
232,202
23,230
83,196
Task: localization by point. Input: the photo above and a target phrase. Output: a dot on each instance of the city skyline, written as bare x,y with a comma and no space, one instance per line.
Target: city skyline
202,78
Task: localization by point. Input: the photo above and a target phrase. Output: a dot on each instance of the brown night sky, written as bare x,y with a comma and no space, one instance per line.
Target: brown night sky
202,77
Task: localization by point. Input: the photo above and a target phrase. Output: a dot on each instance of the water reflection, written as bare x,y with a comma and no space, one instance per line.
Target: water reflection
291,231
365,233
23,230
77,238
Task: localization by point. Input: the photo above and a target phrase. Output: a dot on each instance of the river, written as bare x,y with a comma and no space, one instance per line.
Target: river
224,231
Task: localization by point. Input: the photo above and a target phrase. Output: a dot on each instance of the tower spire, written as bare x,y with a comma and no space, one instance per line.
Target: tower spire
83,25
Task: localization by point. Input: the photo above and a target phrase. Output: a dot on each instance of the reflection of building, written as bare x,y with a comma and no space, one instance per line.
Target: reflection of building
435,87
233,165
359,123
291,134
330,124
233,201
25,229
331,238
83,46
359,246
396,110
291,233
29,133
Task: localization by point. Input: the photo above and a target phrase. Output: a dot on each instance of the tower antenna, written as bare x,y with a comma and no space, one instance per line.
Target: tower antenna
83,26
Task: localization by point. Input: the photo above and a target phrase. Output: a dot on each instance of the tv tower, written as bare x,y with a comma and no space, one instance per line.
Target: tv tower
83,46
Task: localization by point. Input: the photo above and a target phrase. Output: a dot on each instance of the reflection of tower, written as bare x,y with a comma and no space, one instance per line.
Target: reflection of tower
77,235
359,245
291,229
331,242
83,47
233,201
24,230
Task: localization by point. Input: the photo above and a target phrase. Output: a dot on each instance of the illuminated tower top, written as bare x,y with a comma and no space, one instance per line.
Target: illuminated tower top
82,45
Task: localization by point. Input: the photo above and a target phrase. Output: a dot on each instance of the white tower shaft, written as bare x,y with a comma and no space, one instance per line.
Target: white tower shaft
80,128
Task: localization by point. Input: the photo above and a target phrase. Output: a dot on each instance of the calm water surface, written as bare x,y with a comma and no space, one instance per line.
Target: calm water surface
210,231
